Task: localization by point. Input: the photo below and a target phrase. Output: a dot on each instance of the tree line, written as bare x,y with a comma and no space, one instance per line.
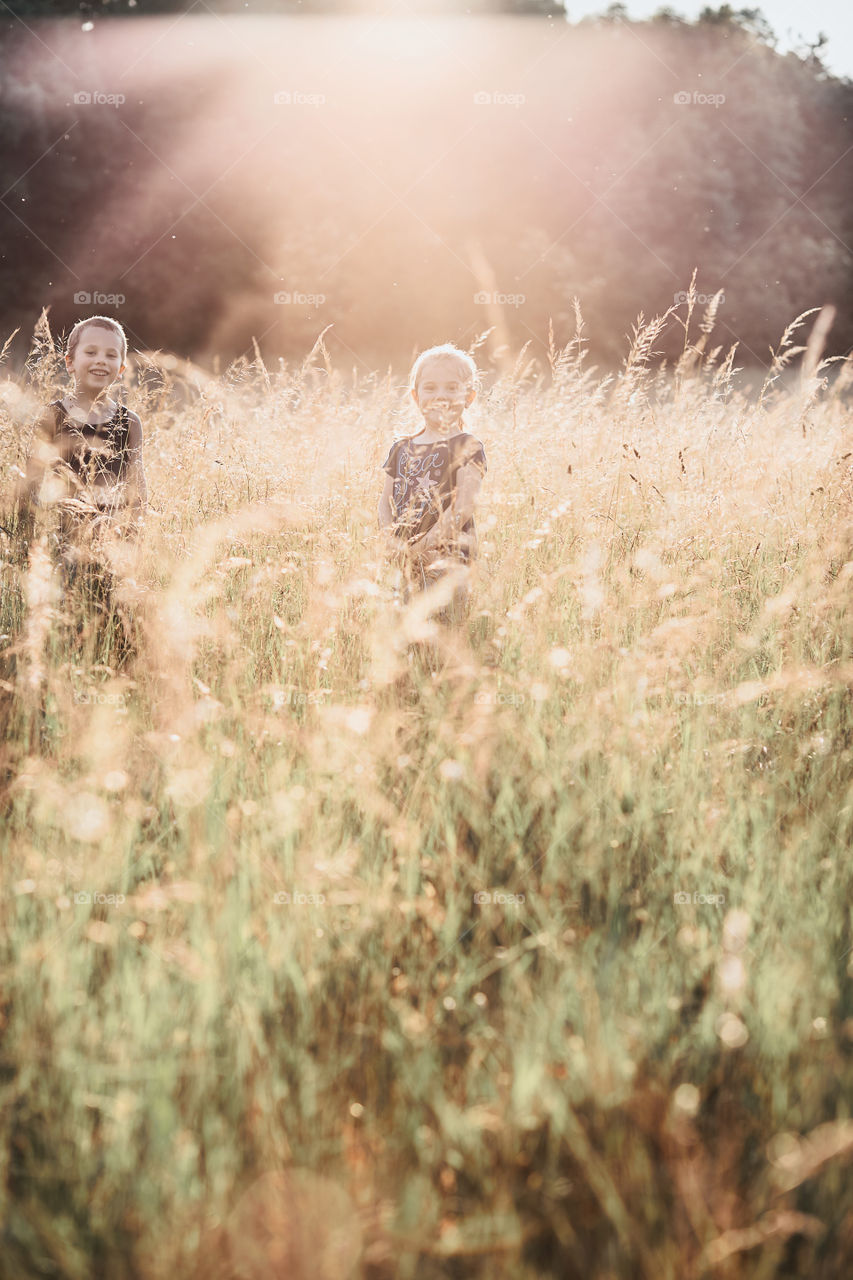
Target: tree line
405,195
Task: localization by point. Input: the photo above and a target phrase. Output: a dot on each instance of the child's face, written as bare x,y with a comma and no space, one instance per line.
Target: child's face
443,393
97,360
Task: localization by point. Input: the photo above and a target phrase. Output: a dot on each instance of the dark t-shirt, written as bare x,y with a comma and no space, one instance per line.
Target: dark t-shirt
95,452
425,478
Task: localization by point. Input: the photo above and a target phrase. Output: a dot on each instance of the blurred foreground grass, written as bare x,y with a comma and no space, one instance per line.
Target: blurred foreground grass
337,943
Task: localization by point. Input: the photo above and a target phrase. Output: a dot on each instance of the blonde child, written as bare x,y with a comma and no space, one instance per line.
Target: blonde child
432,479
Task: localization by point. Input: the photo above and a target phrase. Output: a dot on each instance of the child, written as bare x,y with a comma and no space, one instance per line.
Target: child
86,460
90,444
432,479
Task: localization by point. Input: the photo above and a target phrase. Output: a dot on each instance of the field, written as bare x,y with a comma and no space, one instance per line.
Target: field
339,943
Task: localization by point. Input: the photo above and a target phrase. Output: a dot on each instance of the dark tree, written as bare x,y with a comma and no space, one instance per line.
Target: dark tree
596,174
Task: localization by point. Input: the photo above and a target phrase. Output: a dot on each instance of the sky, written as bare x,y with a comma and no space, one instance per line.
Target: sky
793,21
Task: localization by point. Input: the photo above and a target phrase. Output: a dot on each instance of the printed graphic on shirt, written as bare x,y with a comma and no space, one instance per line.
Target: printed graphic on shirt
425,478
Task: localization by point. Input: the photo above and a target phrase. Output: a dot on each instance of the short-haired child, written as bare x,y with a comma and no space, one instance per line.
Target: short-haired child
88,441
90,446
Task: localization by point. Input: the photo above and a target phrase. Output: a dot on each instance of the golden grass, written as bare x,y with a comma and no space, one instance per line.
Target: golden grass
391,974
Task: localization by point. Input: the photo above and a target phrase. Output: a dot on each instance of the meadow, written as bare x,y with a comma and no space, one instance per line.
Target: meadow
339,943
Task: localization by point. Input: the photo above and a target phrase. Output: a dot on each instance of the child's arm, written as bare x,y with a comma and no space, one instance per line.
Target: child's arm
386,509
452,520
467,491
137,487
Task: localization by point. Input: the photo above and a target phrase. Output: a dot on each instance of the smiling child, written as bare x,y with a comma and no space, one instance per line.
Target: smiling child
90,444
432,479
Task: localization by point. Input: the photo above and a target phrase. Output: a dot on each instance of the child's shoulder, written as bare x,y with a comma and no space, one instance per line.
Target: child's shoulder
402,444
393,456
468,446
396,444
119,410
51,418
126,422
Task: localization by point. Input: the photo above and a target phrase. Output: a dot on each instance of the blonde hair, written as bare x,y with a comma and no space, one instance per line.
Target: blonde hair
103,322
467,362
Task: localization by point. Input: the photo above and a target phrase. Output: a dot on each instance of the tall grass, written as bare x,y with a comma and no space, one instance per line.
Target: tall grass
388,969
